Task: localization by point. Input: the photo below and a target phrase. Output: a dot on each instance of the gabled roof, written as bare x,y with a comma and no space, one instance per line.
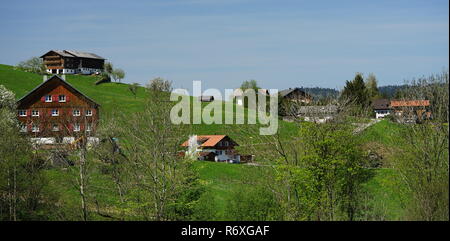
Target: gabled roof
286,92
206,98
409,103
381,104
83,54
209,140
42,85
74,54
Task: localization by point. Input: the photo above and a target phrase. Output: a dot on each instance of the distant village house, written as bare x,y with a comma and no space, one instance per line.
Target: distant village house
295,95
318,114
219,148
72,62
382,108
410,111
208,98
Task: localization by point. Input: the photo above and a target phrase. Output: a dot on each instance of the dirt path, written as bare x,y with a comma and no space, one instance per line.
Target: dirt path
362,126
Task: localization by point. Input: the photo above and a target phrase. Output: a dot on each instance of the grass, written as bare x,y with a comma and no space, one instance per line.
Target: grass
386,200
221,179
384,132
384,138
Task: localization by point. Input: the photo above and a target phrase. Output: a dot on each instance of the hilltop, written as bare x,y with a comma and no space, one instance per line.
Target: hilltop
110,96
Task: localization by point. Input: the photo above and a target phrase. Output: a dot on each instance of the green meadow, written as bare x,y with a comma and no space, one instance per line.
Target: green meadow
221,180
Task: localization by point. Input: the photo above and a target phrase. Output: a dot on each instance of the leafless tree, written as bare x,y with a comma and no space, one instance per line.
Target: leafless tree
423,164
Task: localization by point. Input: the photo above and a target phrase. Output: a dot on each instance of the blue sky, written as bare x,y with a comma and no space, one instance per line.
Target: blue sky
281,44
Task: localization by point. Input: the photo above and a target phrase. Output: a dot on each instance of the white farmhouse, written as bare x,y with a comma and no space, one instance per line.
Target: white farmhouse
381,107
219,148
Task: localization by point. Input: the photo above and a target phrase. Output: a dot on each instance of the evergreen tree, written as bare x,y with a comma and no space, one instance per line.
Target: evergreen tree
355,92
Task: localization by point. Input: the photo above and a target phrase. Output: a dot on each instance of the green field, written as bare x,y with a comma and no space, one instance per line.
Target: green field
220,179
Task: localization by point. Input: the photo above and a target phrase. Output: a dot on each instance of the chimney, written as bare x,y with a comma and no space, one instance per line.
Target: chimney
63,77
44,78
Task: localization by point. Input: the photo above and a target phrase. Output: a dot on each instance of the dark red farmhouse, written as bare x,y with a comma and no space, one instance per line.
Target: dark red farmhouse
55,112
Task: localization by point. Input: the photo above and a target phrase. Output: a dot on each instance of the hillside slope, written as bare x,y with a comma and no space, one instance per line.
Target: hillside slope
109,95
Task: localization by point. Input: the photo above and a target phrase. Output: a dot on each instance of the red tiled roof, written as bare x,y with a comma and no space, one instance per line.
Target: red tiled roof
210,140
409,103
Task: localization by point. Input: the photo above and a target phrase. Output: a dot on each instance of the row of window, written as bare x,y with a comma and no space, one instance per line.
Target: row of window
383,112
54,112
224,143
55,98
55,127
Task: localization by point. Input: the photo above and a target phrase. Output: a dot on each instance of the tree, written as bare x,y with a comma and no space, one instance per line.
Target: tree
155,182
250,84
355,95
423,163
118,74
22,182
159,85
108,67
322,179
34,65
372,86
134,88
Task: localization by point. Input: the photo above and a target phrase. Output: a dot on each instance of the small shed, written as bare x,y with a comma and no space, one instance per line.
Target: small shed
206,98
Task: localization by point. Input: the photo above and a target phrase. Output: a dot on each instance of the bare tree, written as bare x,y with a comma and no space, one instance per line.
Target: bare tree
134,88
423,164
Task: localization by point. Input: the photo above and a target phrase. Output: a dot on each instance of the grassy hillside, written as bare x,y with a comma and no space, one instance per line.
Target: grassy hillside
109,95
221,179
384,139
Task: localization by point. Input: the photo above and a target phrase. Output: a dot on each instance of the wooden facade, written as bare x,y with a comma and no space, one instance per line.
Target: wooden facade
296,95
56,109
72,62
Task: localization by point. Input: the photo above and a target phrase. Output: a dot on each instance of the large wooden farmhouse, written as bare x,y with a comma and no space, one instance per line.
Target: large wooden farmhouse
72,62
55,112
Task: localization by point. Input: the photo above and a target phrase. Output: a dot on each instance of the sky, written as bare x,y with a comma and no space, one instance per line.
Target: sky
280,44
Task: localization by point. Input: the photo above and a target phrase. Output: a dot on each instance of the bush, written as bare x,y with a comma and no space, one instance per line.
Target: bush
256,204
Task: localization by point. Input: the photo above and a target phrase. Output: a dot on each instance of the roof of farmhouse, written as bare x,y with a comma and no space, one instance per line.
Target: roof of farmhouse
74,54
409,103
208,140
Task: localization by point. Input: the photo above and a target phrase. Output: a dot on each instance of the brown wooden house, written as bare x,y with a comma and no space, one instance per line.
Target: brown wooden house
72,62
296,95
56,112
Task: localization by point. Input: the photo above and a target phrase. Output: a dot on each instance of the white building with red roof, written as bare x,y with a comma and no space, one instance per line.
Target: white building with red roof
218,148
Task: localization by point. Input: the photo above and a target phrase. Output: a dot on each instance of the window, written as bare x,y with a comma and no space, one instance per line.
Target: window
76,127
48,98
62,98
55,112
88,127
23,127
55,127
76,112
22,113
226,143
34,113
88,112
35,128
